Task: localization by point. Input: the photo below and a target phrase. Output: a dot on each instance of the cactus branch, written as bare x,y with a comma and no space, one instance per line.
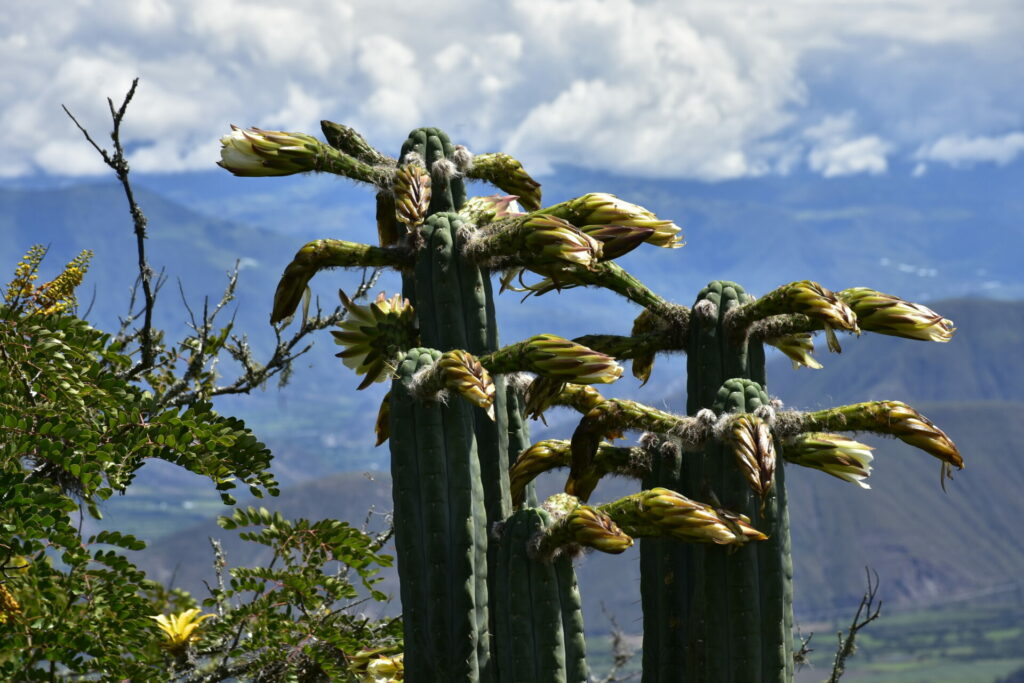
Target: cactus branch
508,175
322,254
550,454
614,416
347,140
893,418
804,297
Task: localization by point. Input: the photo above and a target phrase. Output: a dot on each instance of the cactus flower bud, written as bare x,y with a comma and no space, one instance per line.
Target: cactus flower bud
555,240
382,427
887,314
799,347
465,375
558,358
483,210
752,445
412,195
618,240
257,152
894,418
662,512
601,209
833,454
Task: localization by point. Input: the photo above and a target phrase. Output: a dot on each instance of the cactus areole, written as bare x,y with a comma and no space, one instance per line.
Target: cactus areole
486,574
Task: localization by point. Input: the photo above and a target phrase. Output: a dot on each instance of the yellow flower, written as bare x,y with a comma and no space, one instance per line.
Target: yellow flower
375,666
179,629
9,606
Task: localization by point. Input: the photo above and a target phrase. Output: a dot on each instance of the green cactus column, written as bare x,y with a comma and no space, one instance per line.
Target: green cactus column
440,532
711,615
539,622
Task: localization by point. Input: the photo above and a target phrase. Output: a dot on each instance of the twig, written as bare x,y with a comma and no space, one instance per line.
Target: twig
870,611
119,164
622,653
802,657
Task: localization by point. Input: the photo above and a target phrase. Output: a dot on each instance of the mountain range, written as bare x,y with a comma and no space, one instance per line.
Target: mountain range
949,235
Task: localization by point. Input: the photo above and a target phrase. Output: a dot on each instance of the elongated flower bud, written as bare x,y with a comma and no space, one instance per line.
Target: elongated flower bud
662,512
618,240
483,210
553,240
798,347
576,524
464,375
887,314
320,254
601,209
257,152
643,363
754,450
412,195
507,174
833,454
560,358
382,427
545,392
373,334
804,297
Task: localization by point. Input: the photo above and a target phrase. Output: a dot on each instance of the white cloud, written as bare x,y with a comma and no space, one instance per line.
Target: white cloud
961,150
706,89
835,152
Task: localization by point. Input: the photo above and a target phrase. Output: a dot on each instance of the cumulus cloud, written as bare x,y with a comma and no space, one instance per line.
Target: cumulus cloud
835,151
708,89
962,150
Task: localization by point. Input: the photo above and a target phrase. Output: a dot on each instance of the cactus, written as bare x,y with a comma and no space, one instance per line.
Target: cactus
487,583
539,622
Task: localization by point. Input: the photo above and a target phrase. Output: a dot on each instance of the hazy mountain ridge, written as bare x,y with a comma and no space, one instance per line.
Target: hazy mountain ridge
928,546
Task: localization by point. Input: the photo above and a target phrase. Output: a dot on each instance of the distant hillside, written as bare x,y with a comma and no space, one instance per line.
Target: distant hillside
927,546
948,234
982,362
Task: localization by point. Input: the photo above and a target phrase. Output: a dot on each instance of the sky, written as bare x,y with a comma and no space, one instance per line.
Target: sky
707,90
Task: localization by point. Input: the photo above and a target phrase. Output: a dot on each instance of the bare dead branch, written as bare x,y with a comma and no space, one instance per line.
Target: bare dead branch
802,657
867,611
622,653
119,164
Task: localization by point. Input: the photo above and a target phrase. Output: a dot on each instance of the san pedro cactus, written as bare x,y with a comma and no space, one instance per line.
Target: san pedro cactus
487,584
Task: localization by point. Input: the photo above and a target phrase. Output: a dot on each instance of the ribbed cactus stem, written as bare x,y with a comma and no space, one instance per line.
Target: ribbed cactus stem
539,623
710,615
440,531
